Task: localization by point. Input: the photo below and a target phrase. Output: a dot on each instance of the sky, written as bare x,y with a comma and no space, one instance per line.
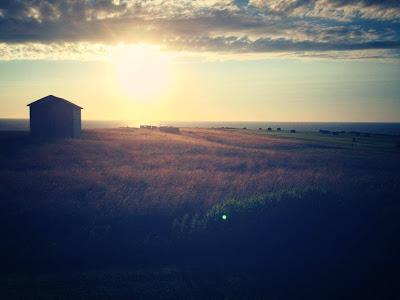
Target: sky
210,60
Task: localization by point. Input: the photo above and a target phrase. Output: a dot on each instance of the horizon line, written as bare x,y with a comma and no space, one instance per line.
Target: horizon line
211,121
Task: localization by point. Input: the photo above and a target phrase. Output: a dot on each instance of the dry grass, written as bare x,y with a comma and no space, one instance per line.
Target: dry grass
143,170
300,213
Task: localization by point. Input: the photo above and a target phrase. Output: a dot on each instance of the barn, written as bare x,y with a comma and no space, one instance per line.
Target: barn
54,117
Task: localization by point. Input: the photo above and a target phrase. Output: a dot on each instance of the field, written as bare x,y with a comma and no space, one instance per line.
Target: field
356,140
207,213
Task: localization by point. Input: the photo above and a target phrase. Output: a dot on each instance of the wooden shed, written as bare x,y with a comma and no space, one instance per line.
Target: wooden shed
54,117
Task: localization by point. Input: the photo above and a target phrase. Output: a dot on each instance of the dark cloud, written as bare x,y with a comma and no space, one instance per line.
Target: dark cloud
210,25
245,45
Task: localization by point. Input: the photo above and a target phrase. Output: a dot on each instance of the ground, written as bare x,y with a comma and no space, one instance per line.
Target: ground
126,208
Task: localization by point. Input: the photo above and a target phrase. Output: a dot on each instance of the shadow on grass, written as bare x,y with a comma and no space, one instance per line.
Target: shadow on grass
297,243
14,141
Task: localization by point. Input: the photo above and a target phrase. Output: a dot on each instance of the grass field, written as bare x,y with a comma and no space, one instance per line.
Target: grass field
139,213
346,139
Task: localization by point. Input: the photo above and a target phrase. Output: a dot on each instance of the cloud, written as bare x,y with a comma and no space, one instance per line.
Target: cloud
55,51
334,9
219,26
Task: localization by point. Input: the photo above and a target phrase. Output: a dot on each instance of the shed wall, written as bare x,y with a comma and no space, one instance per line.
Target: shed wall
76,123
54,120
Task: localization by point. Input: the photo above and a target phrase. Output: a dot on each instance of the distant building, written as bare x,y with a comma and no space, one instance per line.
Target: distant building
53,117
148,127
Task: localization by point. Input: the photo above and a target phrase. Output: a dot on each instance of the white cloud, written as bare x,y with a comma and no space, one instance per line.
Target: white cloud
333,9
82,51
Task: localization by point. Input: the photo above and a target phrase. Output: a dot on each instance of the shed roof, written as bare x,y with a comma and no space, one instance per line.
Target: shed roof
51,98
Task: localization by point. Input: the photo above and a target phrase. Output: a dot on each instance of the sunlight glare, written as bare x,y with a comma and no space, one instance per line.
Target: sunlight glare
142,71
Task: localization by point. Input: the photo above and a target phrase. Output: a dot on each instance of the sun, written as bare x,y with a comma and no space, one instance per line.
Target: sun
142,71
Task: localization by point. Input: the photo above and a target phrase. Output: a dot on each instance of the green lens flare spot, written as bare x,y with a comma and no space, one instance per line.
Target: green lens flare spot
224,217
